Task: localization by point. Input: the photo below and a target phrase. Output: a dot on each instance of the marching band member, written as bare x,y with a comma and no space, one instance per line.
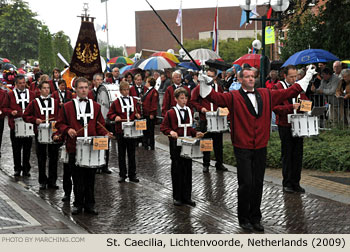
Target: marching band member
291,147
42,110
62,95
3,104
70,124
168,99
56,76
173,125
203,106
18,101
122,108
137,90
150,102
115,78
250,117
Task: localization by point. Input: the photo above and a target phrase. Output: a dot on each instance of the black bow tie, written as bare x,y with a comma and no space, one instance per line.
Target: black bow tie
126,97
62,92
22,92
184,110
45,99
83,100
250,92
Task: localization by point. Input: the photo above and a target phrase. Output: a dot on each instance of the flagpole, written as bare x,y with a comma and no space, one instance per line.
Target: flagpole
108,55
217,25
182,39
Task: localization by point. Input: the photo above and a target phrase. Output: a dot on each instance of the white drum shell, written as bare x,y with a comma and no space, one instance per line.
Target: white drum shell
45,134
64,156
129,129
190,148
85,155
23,129
303,125
106,95
216,123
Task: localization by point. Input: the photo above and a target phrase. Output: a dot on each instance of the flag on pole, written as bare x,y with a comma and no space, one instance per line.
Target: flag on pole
104,27
244,17
215,43
269,13
253,14
179,15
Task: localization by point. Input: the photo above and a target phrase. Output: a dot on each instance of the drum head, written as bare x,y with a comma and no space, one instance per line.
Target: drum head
107,93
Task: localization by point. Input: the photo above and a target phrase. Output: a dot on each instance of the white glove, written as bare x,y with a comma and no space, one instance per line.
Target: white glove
304,82
204,81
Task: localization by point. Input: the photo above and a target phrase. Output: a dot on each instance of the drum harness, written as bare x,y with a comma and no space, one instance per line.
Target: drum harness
87,115
181,121
24,101
127,108
46,109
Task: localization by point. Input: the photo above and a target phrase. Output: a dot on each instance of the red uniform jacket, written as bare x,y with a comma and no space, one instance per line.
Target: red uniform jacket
12,105
286,107
67,119
116,110
169,99
53,86
135,92
33,112
68,96
34,88
198,102
3,103
150,102
248,130
89,96
170,123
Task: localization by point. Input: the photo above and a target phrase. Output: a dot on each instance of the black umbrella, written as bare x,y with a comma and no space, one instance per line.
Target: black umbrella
218,64
137,63
7,66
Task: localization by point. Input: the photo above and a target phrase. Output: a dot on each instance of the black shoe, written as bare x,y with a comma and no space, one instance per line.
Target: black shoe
299,189
121,180
134,179
66,198
90,210
42,187
152,147
17,173
246,227
190,203
205,169
107,171
221,168
178,203
258,227
288,189
147,147
54,186
76,210
98,171
26,174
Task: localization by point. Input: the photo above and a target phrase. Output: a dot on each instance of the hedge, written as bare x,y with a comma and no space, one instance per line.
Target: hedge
329,151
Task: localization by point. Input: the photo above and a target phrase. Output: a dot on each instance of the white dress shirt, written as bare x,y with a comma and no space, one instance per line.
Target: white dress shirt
253,100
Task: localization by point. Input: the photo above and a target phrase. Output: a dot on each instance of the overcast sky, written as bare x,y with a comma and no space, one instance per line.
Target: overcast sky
62,15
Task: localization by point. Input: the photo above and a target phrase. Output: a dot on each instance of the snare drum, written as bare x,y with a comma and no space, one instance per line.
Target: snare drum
190,148
45,133
64,156
86,156
106,95
129,129
23,129
303,125
216,123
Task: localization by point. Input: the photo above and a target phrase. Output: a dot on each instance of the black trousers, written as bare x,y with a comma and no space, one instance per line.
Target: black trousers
126,146
19,143
83,184
251,164
181,173
148,135
217,146
292,157
67,179
2,120
42,152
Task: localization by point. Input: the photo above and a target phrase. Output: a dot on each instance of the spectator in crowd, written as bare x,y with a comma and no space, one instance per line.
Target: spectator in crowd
301,74
337,67
235,85
272,79
189,82
165,82
343,90
322,65
195,78
129,78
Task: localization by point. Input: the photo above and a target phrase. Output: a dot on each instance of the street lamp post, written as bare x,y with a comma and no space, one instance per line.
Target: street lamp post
278,6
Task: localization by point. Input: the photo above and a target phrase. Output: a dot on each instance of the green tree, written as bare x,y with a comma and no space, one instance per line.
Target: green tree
19,31
113,51
61,44
46,53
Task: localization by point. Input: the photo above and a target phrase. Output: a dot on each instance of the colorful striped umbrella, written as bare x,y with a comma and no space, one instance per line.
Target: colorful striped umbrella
124,68
121,59
156,63
167,55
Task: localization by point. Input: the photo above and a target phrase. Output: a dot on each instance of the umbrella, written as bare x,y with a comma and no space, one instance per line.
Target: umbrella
7,66
218,64
4,60
124,68
251,59
202,54
167,55
156,63
310,56
188,65
137,63
119,65
121,59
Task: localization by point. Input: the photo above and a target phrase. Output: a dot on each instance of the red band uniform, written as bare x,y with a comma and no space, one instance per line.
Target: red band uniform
169,100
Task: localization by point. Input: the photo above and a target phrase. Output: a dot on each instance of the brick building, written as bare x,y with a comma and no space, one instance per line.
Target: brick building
197,23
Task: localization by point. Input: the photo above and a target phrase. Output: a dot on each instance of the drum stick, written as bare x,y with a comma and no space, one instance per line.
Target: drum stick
103,127
49,119
80,129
